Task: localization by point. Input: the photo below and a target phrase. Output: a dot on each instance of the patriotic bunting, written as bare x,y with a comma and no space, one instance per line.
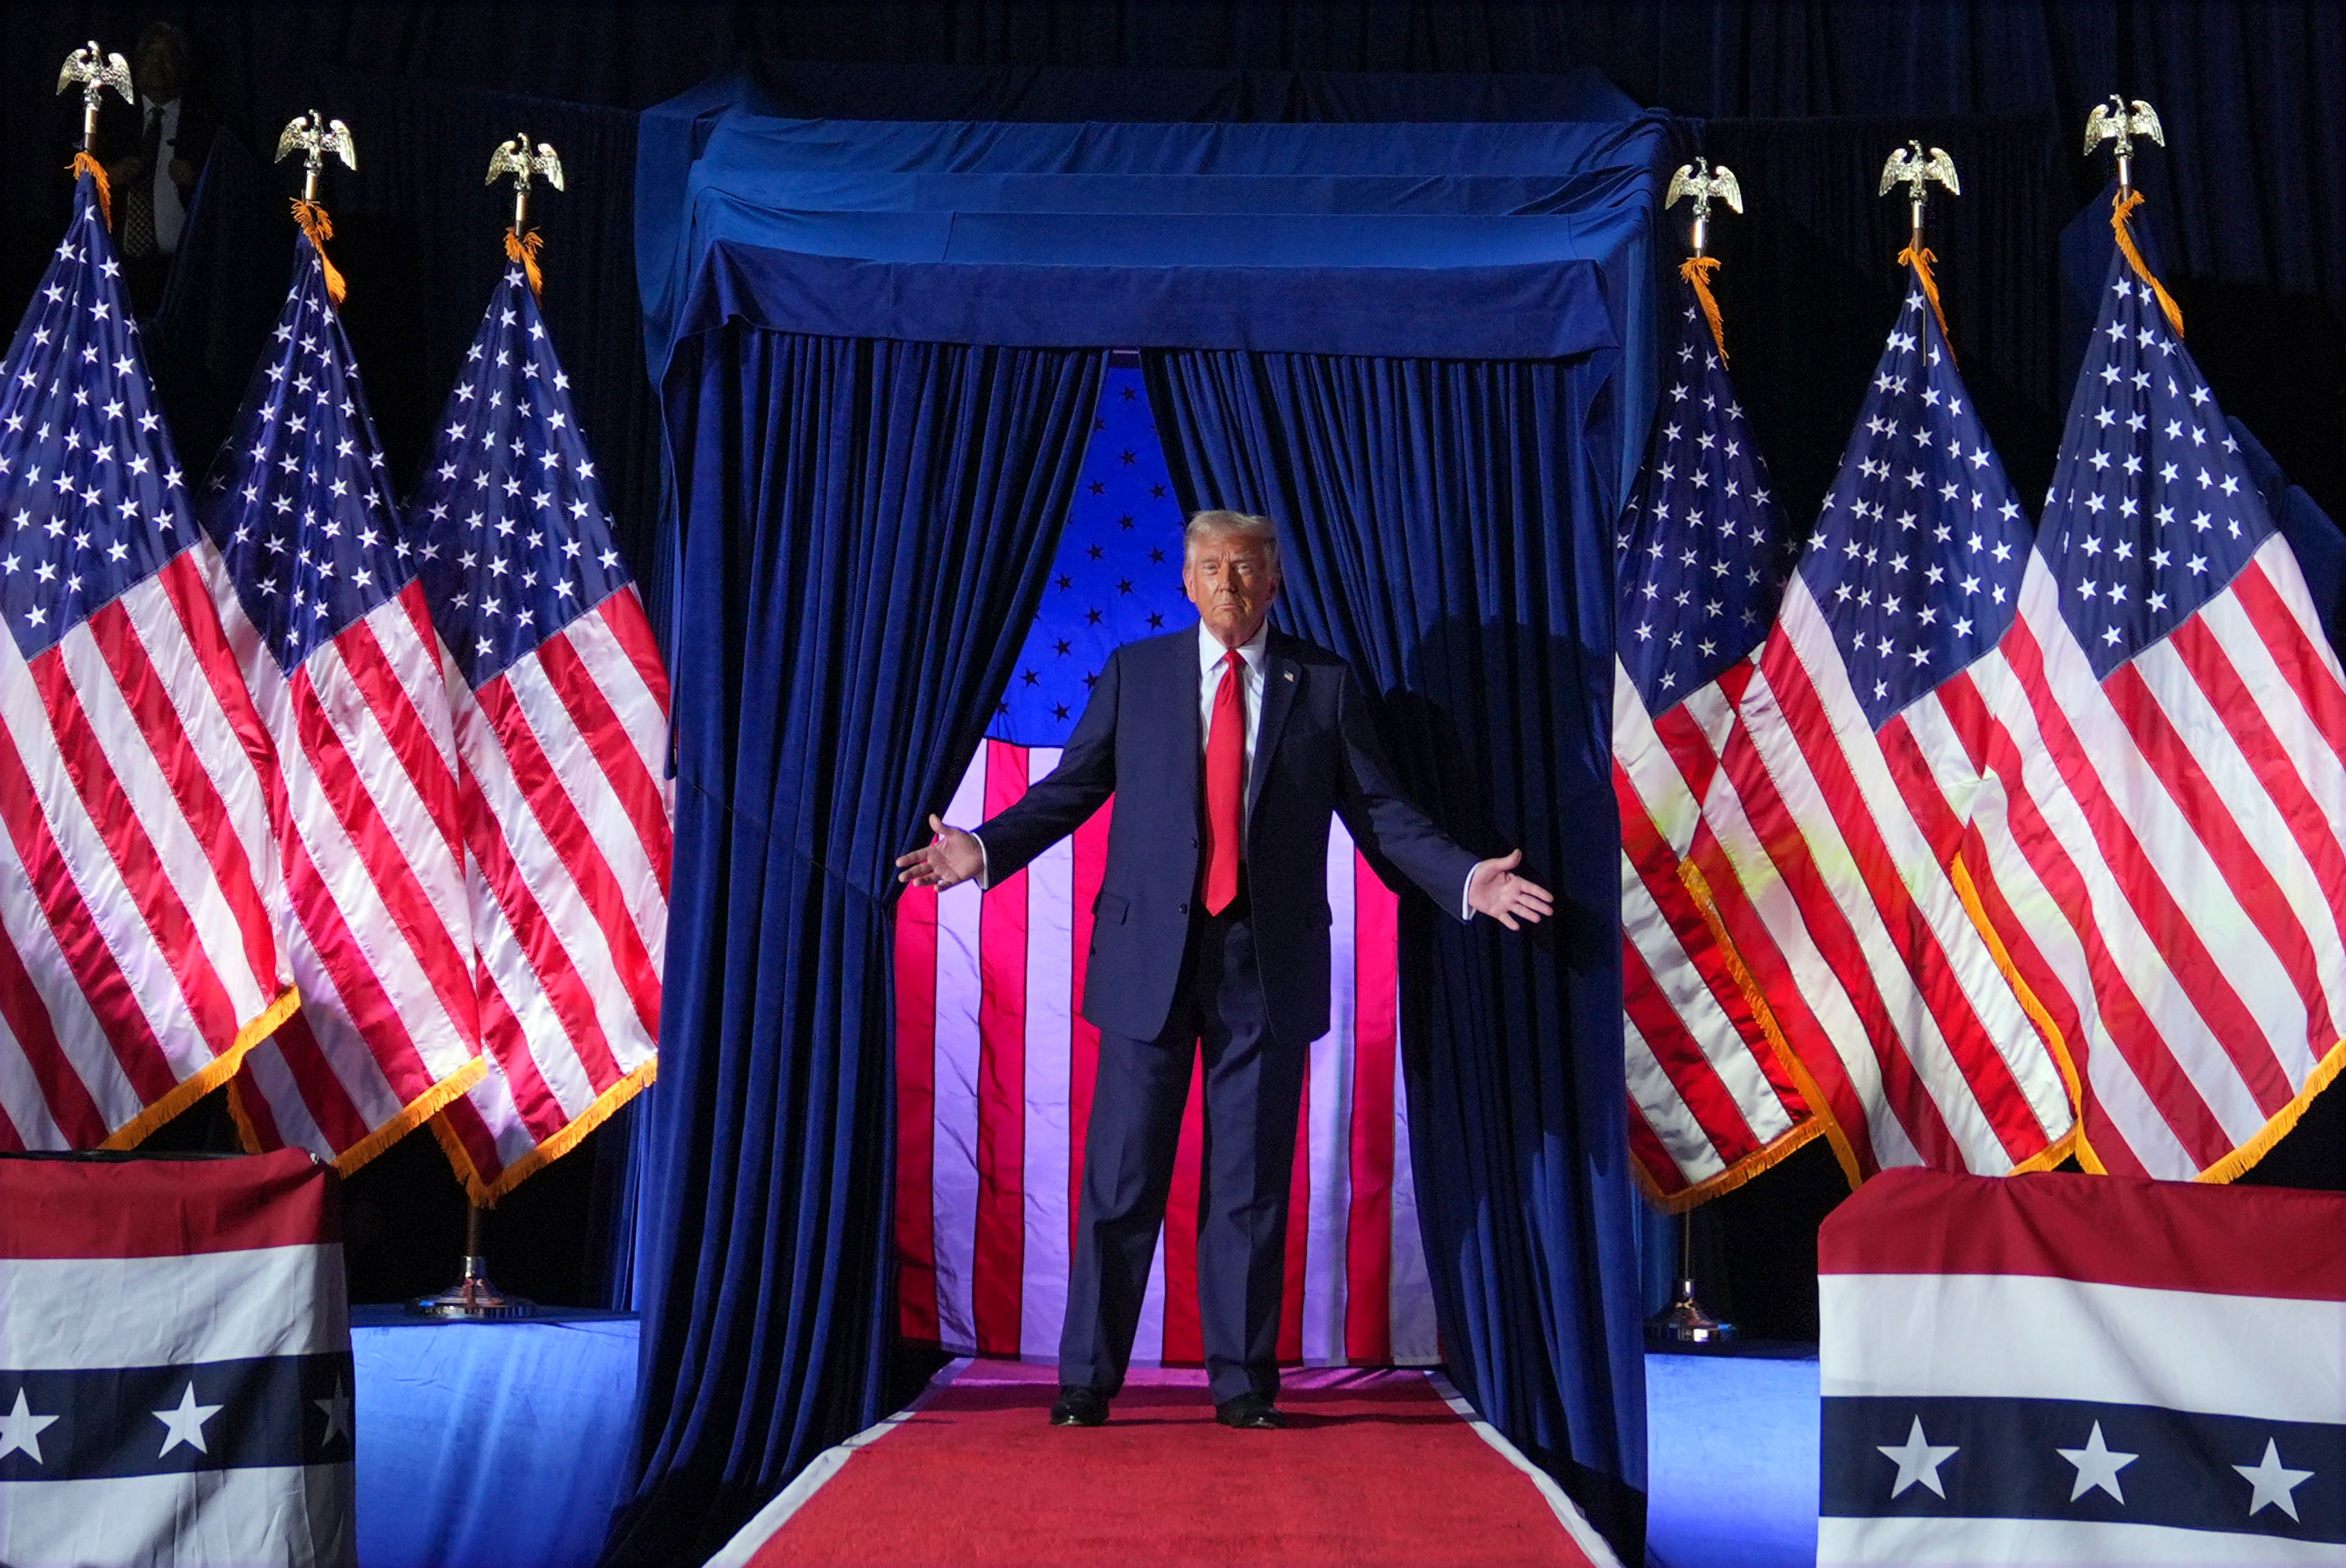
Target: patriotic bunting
2067,1369
175,1381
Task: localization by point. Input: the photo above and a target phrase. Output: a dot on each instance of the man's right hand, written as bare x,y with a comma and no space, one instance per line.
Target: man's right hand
951,858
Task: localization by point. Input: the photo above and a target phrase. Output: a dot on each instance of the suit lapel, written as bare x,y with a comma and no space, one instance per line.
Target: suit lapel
1180,677
1279,679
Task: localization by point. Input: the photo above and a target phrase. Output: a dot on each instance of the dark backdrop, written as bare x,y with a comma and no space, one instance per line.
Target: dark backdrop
1803,97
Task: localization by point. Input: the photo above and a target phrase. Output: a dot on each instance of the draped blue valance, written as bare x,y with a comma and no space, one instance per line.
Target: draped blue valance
1435,240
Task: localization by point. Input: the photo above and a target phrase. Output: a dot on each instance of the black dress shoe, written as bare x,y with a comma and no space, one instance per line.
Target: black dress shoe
1249,1412
1080,1407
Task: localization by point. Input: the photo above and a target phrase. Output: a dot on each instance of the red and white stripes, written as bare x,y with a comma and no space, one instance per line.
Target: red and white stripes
1710,1104
2181,826
135,785
566,824
994,1074
376,913
1837,896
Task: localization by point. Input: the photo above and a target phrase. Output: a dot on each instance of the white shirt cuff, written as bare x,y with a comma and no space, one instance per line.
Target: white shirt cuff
985,865
1466,893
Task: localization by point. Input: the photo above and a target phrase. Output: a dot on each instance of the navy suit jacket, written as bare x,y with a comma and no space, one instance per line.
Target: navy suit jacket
1316,752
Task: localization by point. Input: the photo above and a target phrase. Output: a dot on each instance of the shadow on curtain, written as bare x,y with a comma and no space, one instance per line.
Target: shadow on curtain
867,525
1450,533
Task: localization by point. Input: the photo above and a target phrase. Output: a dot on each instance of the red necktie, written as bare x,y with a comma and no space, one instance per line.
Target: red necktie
1225,786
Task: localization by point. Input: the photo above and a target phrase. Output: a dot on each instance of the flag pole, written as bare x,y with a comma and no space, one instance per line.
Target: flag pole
474,1297
1686,1321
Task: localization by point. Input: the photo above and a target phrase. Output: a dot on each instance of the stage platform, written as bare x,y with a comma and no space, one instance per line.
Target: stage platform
492,1445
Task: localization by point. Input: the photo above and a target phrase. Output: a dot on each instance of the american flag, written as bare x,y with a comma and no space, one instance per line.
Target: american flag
137,957
336,644
1840,800
2175,759
561,711
994,1062
1700,561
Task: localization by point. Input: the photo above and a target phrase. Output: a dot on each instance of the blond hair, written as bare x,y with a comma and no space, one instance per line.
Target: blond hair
1216,522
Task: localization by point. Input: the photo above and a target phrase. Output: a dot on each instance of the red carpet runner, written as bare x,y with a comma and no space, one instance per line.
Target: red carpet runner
1373,1468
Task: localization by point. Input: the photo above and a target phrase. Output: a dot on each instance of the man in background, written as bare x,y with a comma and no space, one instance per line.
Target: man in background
153,171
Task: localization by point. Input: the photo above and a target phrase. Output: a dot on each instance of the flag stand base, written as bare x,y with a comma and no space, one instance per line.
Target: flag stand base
474,1297
1684,1321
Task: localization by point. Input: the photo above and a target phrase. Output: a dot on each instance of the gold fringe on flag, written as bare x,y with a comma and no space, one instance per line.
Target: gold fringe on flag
83,163
313,221
2119,211
1919,258
1696,271
1844,1151
523,248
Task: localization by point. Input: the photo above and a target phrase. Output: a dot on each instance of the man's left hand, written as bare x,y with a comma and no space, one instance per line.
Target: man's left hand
1495,890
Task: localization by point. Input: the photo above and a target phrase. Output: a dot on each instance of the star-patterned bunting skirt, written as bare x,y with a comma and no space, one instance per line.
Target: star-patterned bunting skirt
174,1368
2082,1370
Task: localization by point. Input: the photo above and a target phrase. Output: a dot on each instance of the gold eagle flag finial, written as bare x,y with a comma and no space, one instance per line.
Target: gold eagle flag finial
317,138
1917,171
2117,122
1716,183
1705,186
94,72
518,159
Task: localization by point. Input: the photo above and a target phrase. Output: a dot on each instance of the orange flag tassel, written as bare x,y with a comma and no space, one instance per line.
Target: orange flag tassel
1920,257
83,163
1696,271
523,248
313,222
2119,214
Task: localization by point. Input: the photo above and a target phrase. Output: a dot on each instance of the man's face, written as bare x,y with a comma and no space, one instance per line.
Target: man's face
158,71
1231,579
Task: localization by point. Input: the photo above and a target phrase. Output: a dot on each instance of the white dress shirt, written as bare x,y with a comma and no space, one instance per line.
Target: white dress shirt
1212,669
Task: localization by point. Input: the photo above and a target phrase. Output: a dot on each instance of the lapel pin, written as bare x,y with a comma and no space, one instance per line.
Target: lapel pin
1287,675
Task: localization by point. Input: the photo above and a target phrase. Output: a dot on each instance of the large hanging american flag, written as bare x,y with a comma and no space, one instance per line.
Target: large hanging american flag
1848,773
336,644
994,1063
1700,561
138,960
2175,759
561,712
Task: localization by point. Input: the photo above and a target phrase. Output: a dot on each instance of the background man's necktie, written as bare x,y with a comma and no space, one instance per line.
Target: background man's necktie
1225,785
138,200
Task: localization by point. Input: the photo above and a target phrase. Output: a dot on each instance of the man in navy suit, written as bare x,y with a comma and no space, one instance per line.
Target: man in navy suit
1226,747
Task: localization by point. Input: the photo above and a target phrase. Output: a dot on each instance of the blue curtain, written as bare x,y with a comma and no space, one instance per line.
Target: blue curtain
1449,529
866,530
